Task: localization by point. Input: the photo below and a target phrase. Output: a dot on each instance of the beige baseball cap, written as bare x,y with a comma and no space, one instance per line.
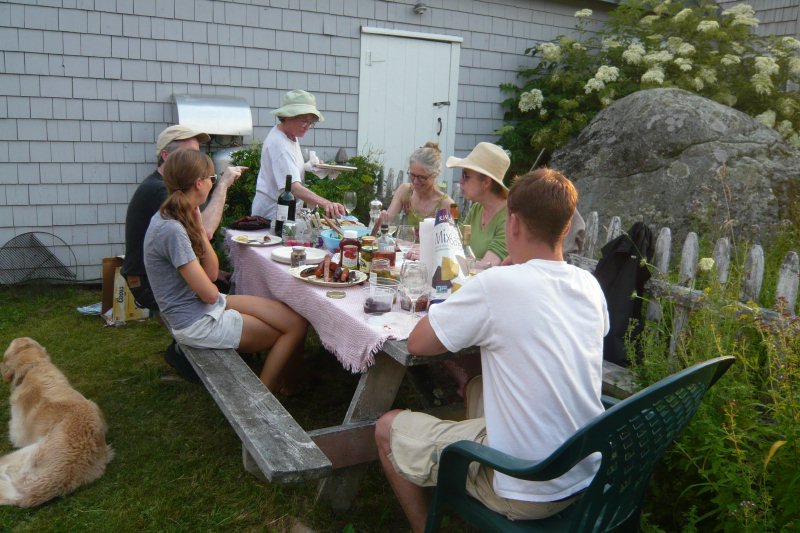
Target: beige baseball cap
179,133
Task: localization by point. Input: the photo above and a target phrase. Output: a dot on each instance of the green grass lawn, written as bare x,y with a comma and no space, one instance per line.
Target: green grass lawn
178,463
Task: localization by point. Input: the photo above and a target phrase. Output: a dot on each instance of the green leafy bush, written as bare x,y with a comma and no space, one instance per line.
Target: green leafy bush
645,44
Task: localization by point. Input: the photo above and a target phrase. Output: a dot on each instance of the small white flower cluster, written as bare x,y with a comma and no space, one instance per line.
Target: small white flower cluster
604,74
787,106
654,58
705,264
684,63
737,48
707,25
794,66
698,84
654,75
634,54
578,46
682,15
729,60
648,20
550,51
530,100
767,65
767,118
583,13
686,49
791,43
594,85
743,15
785,128
708,75
610,43
762,83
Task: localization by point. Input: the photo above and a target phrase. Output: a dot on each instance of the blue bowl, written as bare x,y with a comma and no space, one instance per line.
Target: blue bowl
331,239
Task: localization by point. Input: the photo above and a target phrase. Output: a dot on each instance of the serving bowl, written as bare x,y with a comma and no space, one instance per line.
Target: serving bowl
331,239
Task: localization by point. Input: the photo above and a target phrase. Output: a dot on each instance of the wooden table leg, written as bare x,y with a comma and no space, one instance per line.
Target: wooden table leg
374,395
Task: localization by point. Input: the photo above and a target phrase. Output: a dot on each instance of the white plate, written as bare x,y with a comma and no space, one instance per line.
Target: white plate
341,168
284,255
257,240
314,280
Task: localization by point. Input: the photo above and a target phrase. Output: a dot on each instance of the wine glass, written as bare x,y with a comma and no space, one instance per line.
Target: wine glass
406,237
414,278
349,201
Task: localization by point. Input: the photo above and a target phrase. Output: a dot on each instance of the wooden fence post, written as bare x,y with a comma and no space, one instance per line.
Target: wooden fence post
661,263
590,242
722,258
786,291
686,276
614,229
753,274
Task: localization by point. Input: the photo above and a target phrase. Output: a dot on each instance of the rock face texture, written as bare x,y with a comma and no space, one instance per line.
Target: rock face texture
668,157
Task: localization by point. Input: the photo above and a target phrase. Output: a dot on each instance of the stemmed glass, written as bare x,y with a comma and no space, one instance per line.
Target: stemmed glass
406,237
414,278
349,201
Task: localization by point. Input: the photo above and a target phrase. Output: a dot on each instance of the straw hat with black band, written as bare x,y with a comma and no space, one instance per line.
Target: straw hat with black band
298,102
487,159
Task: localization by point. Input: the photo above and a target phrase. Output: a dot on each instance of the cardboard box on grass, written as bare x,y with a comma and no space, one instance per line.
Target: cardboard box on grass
117,297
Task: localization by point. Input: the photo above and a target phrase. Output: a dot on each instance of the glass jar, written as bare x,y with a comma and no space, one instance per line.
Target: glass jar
380,268
298,257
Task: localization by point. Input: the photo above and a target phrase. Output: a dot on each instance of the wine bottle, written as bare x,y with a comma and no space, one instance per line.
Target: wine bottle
286,206
466,231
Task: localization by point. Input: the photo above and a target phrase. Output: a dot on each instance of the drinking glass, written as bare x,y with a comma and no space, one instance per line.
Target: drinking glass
349,201
406,237
414,278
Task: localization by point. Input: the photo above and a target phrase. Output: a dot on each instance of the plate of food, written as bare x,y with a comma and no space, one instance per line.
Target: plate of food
340,168
257,240
283,254
328,274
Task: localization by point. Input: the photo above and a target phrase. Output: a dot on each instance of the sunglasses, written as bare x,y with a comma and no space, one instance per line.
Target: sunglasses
212,177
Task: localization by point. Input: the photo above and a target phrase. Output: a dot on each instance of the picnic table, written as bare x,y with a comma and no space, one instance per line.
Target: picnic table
275,447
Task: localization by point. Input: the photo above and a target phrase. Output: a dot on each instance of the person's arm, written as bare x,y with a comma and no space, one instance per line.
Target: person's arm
332,209
197,278
423,340
212,214
394,207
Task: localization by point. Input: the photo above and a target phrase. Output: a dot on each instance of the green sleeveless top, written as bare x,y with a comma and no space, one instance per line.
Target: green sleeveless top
412,216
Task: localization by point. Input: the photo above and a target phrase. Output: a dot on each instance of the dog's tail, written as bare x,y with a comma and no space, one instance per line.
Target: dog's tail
14,468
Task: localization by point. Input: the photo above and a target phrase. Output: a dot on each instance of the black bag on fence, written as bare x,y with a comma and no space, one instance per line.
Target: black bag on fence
621,272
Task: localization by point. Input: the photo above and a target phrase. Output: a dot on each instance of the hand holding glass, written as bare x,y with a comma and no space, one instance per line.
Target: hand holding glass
349,201
414,278
406,237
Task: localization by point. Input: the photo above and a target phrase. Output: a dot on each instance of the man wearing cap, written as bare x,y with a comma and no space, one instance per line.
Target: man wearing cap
281,156
148,198
540,324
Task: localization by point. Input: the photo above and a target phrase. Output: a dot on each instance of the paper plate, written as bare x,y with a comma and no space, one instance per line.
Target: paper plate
257,240
314,280
283,254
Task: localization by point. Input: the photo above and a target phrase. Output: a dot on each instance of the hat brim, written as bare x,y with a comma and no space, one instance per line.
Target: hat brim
293,110
455,162
200,136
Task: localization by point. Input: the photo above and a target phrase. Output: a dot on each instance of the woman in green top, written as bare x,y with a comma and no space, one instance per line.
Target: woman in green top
419,198
482,183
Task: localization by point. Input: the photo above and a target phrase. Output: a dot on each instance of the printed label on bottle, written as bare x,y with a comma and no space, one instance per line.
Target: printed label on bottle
283,213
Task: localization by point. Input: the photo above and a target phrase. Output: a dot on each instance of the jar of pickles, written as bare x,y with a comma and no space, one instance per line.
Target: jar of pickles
380,268
367,249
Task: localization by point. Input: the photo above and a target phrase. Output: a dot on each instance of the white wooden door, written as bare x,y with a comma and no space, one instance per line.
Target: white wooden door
407,95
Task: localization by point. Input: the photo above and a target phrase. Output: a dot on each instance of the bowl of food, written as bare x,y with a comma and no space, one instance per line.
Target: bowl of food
331,239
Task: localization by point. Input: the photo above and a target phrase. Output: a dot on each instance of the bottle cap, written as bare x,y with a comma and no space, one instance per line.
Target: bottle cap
385,226
350,234
297,248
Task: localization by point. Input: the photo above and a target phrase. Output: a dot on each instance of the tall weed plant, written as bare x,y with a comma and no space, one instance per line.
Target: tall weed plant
735,467
691,45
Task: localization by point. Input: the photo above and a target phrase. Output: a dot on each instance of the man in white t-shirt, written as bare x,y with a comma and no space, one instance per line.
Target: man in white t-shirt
540,325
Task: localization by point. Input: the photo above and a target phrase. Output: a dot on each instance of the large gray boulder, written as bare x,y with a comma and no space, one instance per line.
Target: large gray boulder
671,158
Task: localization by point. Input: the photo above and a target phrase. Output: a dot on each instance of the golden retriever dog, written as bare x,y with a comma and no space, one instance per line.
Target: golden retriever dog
61,435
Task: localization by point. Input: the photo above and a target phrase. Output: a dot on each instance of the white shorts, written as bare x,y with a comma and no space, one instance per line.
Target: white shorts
209,332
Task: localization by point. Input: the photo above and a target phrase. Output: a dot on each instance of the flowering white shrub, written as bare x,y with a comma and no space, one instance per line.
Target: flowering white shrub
688,44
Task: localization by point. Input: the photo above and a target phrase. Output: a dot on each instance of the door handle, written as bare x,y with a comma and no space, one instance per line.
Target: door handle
439,120
441,103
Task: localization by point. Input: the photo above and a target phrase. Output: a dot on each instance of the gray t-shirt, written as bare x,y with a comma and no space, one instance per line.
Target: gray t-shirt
167,247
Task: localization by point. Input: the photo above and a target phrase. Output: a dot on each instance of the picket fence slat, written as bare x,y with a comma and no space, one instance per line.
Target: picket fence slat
592,223
661,258
786,289
753,274
722,258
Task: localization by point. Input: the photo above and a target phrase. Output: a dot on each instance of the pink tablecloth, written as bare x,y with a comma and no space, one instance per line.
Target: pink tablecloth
340,323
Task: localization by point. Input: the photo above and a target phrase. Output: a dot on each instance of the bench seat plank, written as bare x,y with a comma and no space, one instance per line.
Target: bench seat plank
282,450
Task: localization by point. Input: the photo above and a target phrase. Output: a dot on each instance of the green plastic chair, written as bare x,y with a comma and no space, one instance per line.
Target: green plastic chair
632,436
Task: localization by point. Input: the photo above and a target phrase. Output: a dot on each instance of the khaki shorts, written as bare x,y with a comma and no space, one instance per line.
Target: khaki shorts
417,441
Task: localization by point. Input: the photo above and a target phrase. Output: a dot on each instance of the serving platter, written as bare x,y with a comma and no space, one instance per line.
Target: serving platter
283,254
257,240
314,280
340,168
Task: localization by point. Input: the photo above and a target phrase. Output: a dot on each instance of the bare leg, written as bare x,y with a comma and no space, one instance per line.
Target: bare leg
412,498
270,326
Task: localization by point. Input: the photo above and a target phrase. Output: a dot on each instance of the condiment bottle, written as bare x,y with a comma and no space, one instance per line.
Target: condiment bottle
367,248
298,256
385,245
380,268
349,250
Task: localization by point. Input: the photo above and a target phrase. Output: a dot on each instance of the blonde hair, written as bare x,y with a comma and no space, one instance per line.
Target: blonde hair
429,156
181,170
